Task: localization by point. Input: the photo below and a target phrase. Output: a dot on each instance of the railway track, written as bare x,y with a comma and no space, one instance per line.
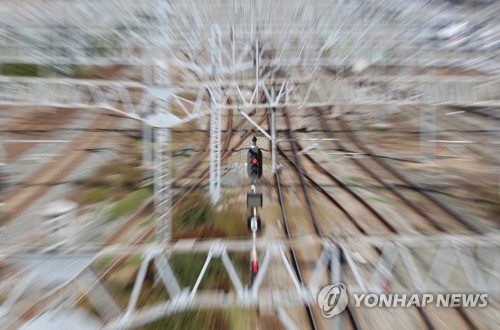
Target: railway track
295,148
355,322
318,230
423,192
293,254
409,203
478,112
38,123
40,181
477,151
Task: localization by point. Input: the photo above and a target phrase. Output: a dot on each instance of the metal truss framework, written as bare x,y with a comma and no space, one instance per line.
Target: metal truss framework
431,264
135,100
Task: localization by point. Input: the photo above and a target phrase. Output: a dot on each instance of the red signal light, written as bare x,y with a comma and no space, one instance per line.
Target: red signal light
254,163
255,266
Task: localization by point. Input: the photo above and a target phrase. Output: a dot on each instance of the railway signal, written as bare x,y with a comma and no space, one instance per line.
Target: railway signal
254,162
254,201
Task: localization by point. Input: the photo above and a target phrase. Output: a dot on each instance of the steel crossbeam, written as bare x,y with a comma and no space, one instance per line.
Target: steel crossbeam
472,265
136,100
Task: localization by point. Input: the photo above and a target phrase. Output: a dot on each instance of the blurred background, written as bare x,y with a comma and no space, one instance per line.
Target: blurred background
215,164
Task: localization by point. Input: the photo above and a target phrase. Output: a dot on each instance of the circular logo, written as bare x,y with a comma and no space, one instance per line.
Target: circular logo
332,299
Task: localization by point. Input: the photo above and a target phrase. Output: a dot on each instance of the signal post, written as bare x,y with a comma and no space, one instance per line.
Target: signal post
254,200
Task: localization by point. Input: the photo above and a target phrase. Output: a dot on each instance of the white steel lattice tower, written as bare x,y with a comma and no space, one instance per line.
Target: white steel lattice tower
162,160
216,99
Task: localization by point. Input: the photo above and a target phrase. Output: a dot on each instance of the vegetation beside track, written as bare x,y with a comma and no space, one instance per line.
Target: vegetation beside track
129,203
198,218
112,181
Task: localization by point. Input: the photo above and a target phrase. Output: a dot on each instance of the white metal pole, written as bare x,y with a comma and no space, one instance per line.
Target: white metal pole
215,150
162,185
273,139
215,118
162,163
